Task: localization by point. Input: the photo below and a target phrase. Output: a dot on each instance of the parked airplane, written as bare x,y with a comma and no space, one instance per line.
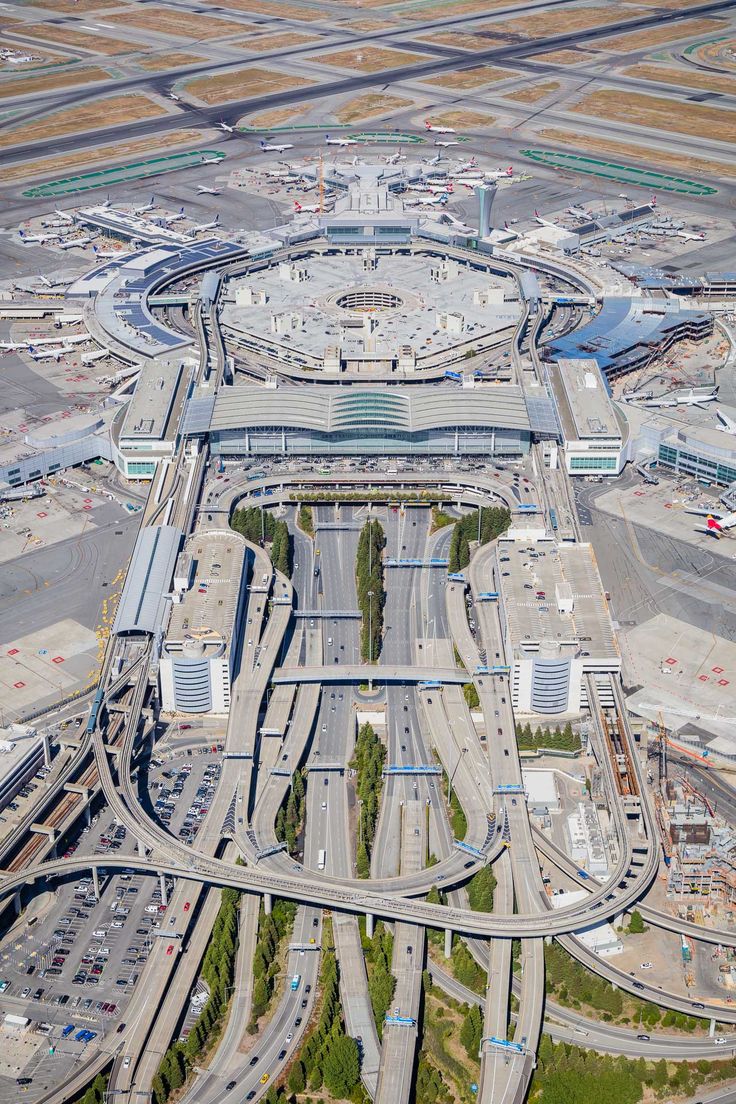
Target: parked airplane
226,127
273,148
544,222
74,243
687,236
110,254
579,212
438,129
173,218
205,225
37,239
427,201
728,423
203,190
685,398
447,217
147,207
52,354
306,209
394,158
63,215
442,186
339,141
716,522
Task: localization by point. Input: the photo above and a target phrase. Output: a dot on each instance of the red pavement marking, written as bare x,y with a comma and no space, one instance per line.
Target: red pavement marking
723,682
58,659
18,685
717,670
671,661
13,651
704,678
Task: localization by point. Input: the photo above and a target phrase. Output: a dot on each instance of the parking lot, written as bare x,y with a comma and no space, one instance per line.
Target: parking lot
72,961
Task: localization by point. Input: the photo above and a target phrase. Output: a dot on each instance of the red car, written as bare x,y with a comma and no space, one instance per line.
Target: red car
170,948
187,906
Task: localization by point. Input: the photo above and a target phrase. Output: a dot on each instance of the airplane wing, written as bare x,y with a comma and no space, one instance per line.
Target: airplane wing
701,511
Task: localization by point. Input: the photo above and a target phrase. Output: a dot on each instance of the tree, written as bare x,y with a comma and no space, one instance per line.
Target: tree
297,1078
471,1031
636,924
341,1067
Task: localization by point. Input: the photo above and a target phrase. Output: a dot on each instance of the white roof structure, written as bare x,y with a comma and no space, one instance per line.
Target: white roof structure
148,582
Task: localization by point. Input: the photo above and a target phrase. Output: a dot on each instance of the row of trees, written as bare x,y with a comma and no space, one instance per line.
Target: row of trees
218,966
556,739
272,931
430,1085
484,524
574,986
291,814
371,595
481,888
368,760
565,1074
471,1031
259,526
458,820
366,495
306,520
381,982
329,1058
95,1094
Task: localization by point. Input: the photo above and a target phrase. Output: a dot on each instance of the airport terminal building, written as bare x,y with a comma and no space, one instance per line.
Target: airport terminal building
251,420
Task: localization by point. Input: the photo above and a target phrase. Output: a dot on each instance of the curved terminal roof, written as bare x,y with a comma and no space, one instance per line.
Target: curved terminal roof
142,604
329,410
623,326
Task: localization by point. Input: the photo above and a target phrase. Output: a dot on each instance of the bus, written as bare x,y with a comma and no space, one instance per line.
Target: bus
295,982
553,518
321,857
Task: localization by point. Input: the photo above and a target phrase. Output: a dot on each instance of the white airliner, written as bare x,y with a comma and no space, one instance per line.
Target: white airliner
226,126
579,212
688,236
42,342
427,201
728,424
716,522
306,209
339,141
544,222
110,254
146,207
93,355
52,354
63,215
434,160
173,218
273,148
444,143
74,243
37,239
394,158
446,188
205,226
173,96
686,398
203,190
211,161
438,129
446,216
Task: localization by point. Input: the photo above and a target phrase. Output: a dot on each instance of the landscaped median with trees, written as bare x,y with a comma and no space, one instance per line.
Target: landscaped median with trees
368,760
257,525
218,968
293,810
371,594
274,931
328,1061
487,523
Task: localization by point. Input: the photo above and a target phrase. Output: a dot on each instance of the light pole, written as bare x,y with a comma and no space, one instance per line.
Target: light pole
452,776
370,638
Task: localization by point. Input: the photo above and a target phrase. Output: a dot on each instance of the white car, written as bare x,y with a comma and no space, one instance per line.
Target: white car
647,966
126,1061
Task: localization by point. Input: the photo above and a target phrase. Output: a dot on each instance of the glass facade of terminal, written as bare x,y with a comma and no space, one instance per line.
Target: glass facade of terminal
594,463
707,469
370,440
